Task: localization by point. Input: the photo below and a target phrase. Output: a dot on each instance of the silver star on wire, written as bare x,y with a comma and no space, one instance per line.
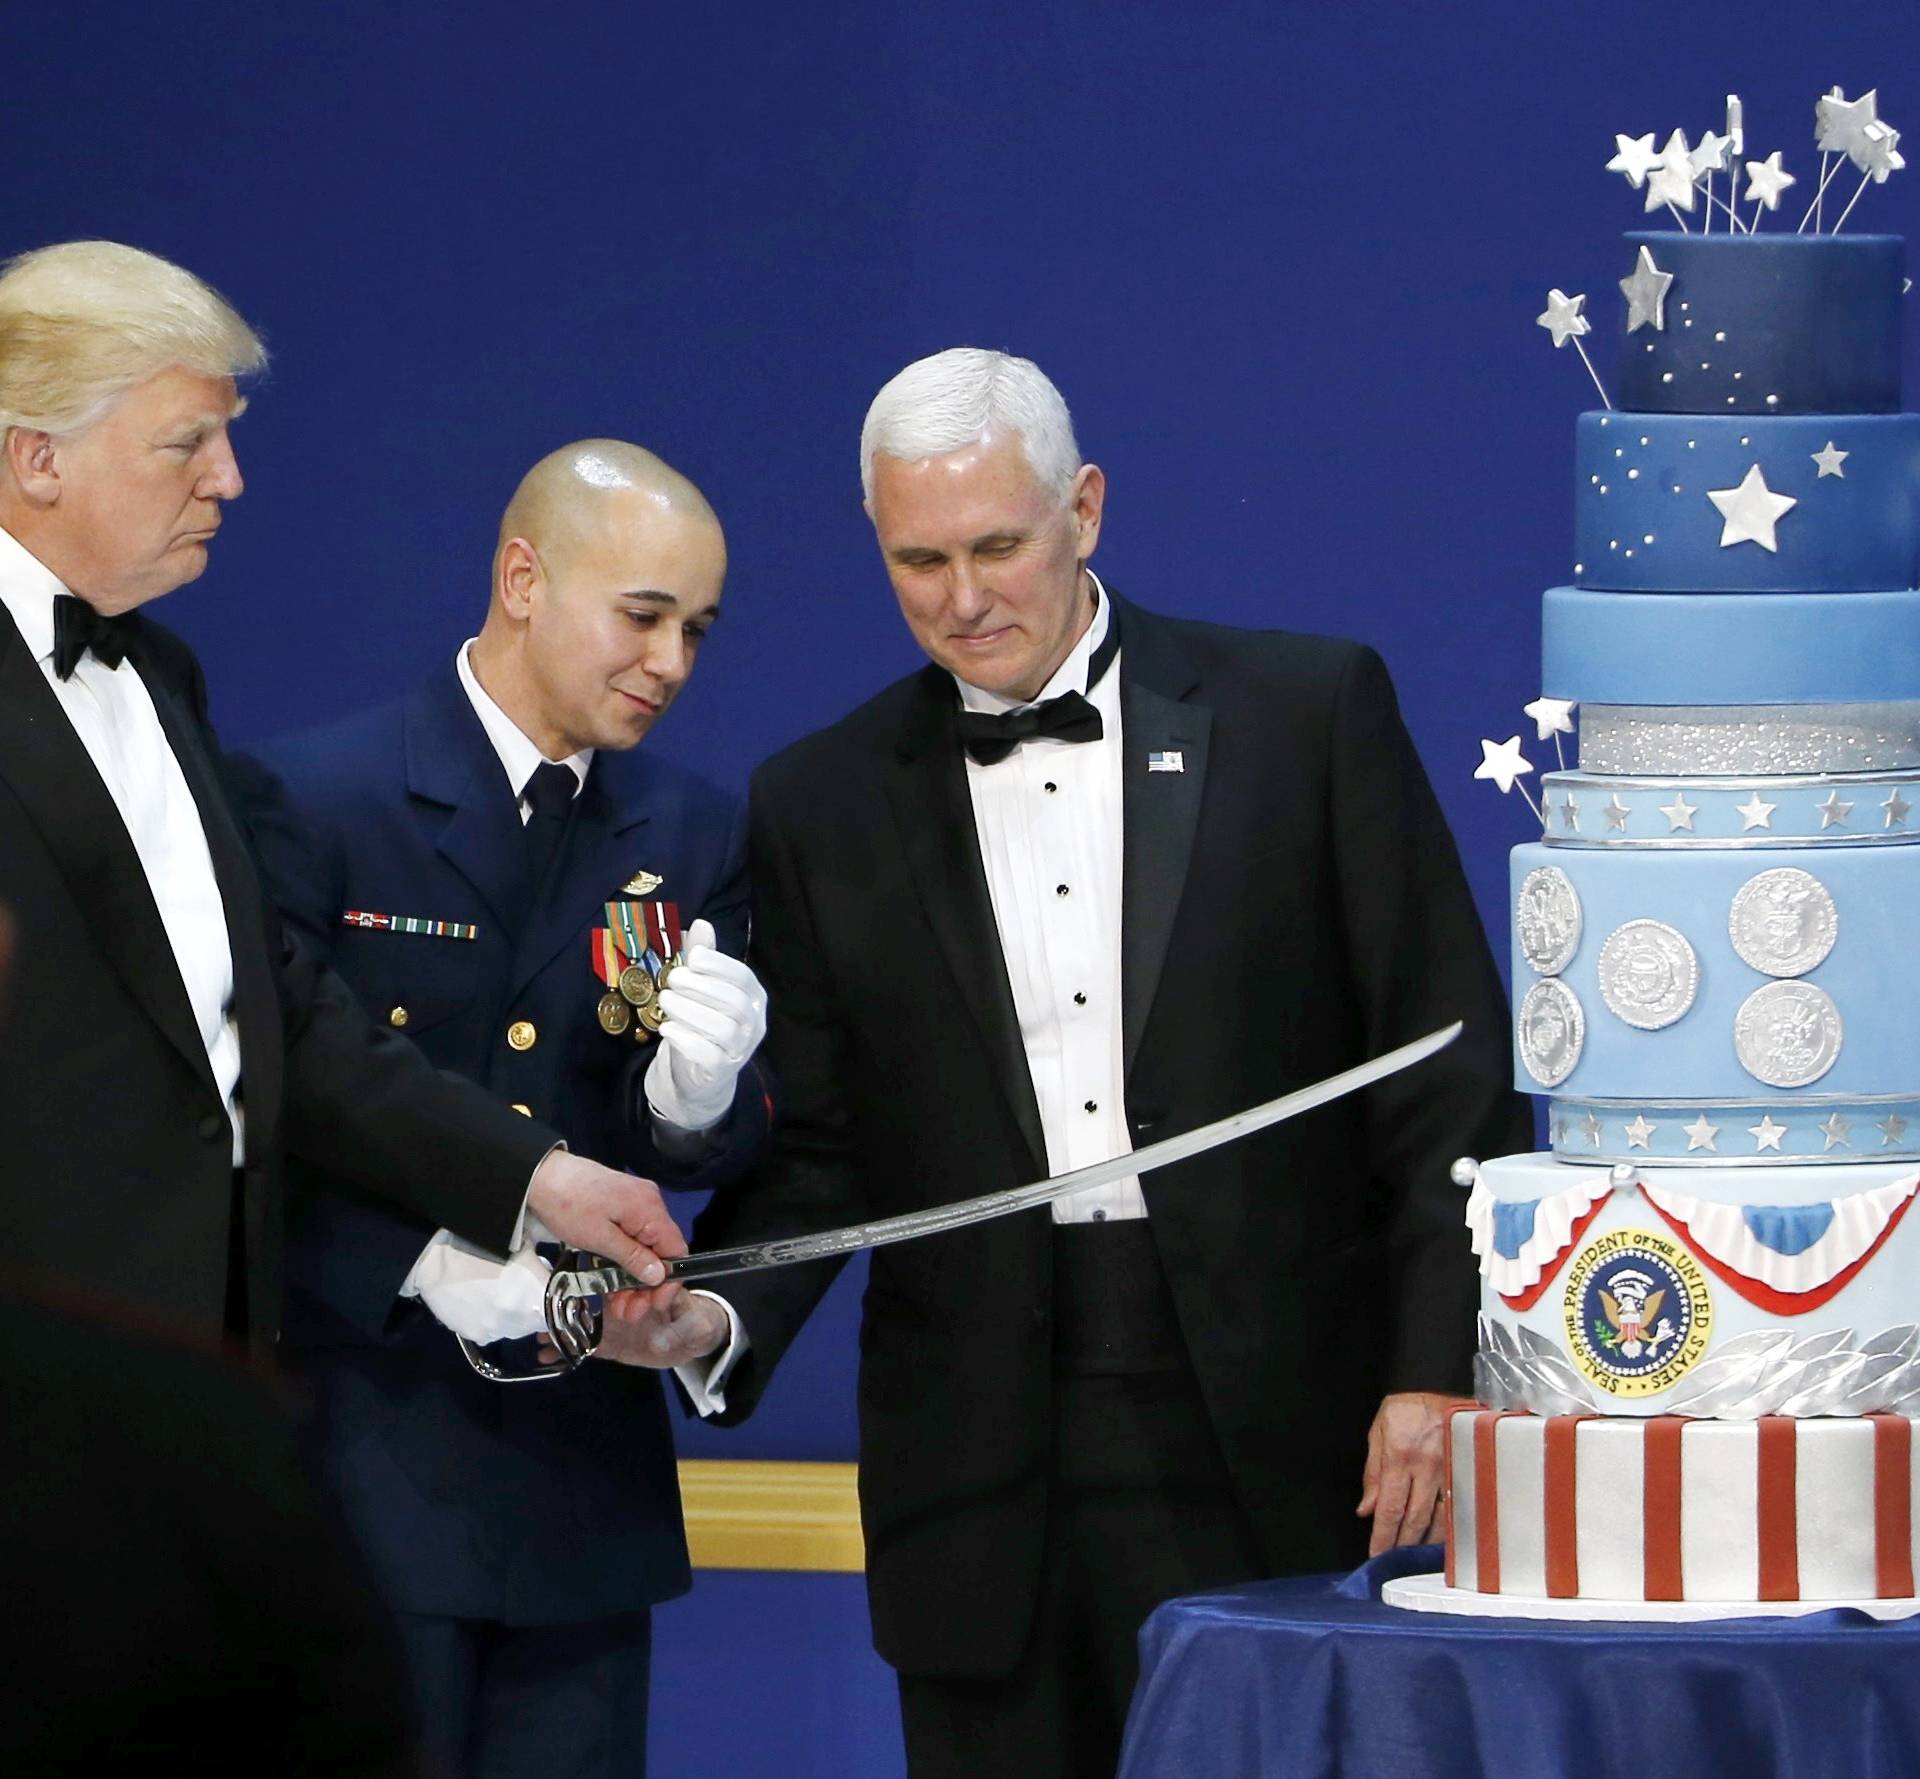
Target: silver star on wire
1755,814
1766,1134
1636,157
1672,181
1563,318
1679,813
1766,180
1836,1130
1701,1134
1833,812
1751,511
1898,809
1840,122
1646,294
1591,1130
1709,155
1503,762
1616,813
1830,461
1892,1128
1639,1131
1879,153
1551,716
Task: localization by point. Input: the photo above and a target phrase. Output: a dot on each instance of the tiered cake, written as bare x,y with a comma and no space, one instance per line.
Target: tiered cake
1698,1345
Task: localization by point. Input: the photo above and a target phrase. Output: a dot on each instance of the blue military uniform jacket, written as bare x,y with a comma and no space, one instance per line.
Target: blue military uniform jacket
527,1503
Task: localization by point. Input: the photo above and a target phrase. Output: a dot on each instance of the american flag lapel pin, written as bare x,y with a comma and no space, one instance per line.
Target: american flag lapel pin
1171,761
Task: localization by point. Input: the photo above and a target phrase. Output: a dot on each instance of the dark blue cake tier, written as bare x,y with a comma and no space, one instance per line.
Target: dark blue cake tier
1644,519
1768,324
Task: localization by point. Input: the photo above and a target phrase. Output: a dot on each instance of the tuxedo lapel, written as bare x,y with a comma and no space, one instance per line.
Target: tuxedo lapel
927,787
256,1005
1164,778
54,777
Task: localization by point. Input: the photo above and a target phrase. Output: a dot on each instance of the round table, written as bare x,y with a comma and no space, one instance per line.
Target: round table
1316,1679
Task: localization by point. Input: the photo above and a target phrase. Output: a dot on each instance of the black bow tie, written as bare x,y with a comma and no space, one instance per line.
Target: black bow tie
77,627
1070,717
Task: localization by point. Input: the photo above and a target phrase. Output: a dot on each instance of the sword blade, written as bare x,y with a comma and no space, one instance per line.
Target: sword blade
718,1263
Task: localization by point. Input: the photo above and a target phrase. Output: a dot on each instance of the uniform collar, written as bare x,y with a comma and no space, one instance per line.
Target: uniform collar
519,757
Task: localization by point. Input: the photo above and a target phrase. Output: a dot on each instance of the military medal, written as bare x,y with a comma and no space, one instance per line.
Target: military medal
637,986
633,955
615,1014
652,1017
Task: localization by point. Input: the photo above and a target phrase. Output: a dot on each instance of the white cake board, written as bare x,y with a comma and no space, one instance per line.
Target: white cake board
1430,1593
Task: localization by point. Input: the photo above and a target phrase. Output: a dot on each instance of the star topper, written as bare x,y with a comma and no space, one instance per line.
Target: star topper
1505,764
1565,318
1671,183
1646,294
1636,157
1766,180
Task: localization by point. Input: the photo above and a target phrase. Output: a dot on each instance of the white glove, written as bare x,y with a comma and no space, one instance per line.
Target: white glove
475,1295
716,1016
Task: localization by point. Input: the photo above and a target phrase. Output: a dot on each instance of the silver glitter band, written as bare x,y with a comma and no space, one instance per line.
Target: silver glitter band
1771,739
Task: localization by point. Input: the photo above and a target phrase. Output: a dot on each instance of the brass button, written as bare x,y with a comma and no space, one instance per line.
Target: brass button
521,1034
524,1111
397,1017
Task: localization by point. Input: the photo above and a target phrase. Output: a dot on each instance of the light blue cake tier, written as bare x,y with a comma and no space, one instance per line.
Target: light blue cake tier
1871,974
1585,809
1820,1130
1768,324
1643,520
1730,648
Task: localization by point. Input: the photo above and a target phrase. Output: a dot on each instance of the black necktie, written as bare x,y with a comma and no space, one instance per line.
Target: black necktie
989,739
549,796
77,628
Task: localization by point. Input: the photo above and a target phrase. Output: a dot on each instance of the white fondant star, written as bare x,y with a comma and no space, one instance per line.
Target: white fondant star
1839,121
1766,180
1563,318
1639,1131
1570,814
1751,511
1616,813
1766,1134
1502,762
1709,155
1672,181
1898,809
1591,1130
1636,157
1646,294
1755,814
1833,812
1836,1130
1879,154
1892,1128
1551,717
1830,461
1701,1134
1679,813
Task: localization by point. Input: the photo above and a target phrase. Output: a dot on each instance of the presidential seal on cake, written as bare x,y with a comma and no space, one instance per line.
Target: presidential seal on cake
1700,1332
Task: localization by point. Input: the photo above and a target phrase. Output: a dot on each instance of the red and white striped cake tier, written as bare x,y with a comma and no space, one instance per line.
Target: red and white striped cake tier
1614,1508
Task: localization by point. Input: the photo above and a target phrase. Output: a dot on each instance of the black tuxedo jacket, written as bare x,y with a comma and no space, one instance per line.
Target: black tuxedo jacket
1292,904
115,1148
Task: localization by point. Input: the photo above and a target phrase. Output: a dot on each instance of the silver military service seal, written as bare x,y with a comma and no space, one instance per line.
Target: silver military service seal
1787,1033
1783,922
1550,1030
1546,917
1648,974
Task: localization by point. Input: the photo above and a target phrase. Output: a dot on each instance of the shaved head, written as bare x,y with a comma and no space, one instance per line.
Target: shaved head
575,492
606,579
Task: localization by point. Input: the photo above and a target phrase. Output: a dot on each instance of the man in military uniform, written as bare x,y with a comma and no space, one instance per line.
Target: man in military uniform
491,865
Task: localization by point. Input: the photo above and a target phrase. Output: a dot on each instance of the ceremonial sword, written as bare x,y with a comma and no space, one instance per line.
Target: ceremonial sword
575,1295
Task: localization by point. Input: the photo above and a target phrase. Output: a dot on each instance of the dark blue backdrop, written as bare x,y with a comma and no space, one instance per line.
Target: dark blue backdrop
1284,261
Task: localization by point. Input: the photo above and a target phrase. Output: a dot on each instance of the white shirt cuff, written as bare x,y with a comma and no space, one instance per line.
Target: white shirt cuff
705,1380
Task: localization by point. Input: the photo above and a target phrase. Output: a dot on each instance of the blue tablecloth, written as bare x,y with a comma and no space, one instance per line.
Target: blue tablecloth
1316,1679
